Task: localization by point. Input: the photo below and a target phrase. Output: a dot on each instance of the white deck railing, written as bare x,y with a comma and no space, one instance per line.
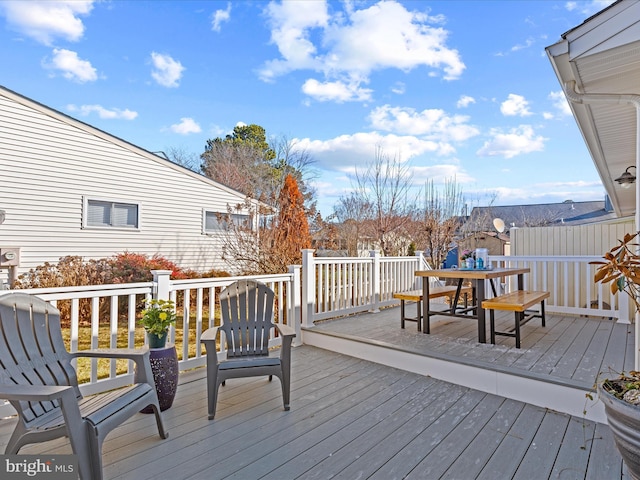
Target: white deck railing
338,286
325,288
195,298
569,279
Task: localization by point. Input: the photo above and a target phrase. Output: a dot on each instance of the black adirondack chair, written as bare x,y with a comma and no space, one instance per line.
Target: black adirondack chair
247,319
37,377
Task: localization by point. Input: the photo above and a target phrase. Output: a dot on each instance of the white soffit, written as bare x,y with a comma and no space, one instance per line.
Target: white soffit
603,56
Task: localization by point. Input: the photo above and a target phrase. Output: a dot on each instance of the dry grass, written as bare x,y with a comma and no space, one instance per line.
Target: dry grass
83,367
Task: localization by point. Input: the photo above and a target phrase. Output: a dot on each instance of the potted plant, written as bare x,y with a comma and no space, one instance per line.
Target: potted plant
156,320
620,268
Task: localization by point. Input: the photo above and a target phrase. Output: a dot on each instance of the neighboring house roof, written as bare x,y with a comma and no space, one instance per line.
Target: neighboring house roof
21,99
545,214
598,66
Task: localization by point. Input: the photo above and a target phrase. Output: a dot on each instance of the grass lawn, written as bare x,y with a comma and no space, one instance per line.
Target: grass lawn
83,367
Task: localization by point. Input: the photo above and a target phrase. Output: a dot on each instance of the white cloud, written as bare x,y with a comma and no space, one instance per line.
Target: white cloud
186,126
588,7
71,66
549,192
348,151
515,105
335,91
46,20
560,103
516,141
354,43
219,17
291,24
114,113
167,71
464,101
521,46
439,174
433,124
399,88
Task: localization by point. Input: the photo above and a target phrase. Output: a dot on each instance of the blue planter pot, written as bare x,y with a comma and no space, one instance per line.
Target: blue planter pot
164,366
156,341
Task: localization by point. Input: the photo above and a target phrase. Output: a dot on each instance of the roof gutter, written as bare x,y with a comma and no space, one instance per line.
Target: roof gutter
616,99
610,98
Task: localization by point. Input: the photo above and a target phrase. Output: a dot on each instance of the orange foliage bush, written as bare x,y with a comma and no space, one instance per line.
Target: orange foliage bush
124,267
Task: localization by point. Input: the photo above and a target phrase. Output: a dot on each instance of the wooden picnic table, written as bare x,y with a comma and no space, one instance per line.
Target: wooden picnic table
477,278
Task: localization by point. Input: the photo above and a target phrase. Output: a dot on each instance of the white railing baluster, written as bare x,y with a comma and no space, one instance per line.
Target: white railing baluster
113,340
95,332
199,304
75,324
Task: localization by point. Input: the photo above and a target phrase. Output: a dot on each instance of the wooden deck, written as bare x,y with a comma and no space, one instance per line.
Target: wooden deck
556,366
355,419
570,349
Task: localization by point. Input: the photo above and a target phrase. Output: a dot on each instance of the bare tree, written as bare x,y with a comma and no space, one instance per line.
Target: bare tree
384,188
350,215
275,242
182,156
438,222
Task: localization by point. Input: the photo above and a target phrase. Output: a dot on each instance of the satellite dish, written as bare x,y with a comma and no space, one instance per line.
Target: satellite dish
498,223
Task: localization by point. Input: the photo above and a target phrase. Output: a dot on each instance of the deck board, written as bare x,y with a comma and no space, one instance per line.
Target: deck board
568,363
485,443
351,418
536,462
569,347
456,443
514,445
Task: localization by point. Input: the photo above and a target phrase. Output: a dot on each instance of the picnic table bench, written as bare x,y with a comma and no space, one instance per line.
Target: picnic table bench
519,302
434,292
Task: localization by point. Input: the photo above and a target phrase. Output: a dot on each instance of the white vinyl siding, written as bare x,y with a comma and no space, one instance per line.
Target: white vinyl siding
51,163
111,214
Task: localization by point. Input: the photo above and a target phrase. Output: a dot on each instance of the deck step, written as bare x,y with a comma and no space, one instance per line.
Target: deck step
562,395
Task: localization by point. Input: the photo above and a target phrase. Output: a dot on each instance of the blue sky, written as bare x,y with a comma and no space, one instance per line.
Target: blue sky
456,89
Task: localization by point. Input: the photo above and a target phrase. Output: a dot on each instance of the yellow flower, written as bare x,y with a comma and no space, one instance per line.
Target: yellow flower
163,315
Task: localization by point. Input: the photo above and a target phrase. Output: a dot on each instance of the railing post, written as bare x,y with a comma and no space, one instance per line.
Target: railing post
295,319
375,280
417,281
308,287
161,280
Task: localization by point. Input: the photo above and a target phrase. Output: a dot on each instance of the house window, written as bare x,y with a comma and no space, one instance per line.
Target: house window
217,221
111,214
